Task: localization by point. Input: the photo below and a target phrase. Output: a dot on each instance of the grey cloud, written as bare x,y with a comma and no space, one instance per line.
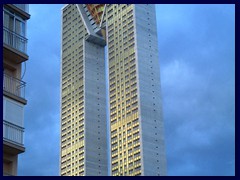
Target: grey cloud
42,119
197,73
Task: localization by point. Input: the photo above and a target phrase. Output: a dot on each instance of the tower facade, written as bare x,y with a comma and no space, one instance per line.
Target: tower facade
83,92
137,142
15,18
135,110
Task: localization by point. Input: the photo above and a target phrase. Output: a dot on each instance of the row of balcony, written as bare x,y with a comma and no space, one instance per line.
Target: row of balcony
14,50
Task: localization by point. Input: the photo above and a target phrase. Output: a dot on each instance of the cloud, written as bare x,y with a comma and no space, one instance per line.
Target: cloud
42,118
197,75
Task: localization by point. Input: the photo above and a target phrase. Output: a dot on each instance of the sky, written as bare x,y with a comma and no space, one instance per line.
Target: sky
197,64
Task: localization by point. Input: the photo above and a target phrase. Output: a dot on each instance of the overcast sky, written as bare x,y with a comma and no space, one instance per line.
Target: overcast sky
197,58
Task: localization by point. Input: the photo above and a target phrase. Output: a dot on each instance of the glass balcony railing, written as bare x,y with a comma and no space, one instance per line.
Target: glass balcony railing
13,133
24,7
14,40
14,86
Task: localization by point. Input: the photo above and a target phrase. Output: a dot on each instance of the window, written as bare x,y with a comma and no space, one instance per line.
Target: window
8,21
14,23
14,31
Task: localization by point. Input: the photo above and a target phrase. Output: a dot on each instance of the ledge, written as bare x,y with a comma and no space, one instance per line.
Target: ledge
24,14
13,54
11,148
14,97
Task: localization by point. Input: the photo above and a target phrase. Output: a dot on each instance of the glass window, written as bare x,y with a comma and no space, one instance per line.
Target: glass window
20,27
14,23
8,21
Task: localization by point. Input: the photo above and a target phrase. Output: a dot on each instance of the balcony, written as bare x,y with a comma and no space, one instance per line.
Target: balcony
14,88
13,117
15,46
15,40
13,133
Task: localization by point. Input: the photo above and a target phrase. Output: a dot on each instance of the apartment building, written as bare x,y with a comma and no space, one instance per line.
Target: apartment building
15,18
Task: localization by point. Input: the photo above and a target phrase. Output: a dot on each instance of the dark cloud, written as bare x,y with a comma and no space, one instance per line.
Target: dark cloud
196,44
42,118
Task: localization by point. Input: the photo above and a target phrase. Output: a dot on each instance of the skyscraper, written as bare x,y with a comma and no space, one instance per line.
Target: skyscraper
136,124
83,92
15,18
137,142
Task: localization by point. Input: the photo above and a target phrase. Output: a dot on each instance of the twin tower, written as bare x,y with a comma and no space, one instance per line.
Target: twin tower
133,137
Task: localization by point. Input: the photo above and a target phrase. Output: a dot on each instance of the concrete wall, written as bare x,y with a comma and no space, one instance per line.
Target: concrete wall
95,110
151,118
10,164
12,69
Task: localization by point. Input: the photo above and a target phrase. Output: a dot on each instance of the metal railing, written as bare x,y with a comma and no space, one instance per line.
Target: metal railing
14,86
24,7
14,40
12,133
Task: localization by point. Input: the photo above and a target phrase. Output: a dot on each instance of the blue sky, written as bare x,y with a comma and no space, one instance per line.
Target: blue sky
197,63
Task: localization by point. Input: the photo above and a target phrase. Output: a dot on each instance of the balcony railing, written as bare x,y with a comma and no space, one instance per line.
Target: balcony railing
14,86
24,7
15,40
12,133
